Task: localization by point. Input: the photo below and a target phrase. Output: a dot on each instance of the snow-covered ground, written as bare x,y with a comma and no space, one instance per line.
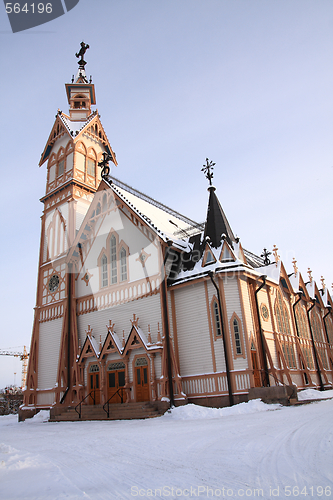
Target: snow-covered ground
251,450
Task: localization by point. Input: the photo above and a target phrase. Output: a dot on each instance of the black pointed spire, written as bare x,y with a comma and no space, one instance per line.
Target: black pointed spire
217,223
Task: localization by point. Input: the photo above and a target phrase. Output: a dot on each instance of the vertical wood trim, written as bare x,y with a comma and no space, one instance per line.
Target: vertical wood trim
246,330
227,331
174,325
210,327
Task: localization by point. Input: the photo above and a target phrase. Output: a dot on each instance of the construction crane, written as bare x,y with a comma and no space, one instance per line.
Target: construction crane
23,357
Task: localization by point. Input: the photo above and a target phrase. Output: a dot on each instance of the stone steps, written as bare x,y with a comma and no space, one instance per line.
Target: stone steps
126,411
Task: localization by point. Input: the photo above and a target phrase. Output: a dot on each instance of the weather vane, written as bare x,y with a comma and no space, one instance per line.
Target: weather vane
265,256
208,170
81,53
104,164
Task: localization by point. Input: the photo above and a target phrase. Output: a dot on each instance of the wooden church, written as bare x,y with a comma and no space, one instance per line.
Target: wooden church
138,304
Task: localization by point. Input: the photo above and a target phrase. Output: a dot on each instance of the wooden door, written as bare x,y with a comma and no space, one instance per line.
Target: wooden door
256,371
116,379
142,384
94,388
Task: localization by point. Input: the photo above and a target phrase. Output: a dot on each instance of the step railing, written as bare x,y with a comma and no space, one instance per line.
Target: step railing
278,382
120,391
92,395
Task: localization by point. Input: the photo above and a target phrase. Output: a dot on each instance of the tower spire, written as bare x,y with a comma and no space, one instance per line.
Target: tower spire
80,93
217,223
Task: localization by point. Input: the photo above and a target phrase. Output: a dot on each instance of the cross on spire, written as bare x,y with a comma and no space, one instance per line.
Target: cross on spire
294,261
104,164
310,275
276,255
208,170
265,255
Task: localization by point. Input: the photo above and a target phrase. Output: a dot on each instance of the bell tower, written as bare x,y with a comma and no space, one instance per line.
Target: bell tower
80,93
74,147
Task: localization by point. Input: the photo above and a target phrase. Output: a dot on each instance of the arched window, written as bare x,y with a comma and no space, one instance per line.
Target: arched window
282,315
91,167
104,263
104,202
329,327
113,259
302,323
237,337
315,325
216,318
61,168
123,265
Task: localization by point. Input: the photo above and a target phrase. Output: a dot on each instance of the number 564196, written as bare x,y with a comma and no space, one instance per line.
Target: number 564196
40,8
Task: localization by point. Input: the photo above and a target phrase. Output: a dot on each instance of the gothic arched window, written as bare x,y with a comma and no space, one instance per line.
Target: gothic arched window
236,329
302,322
123,265
216,318
282,315
113,259
104,264
316,328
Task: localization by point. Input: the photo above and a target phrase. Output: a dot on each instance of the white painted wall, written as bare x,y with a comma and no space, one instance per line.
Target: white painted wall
147,309
195,356
48,355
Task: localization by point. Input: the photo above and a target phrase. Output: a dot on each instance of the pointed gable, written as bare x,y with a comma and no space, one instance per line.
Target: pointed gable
58,130
208,256
89,349
112,343
227,254
216,222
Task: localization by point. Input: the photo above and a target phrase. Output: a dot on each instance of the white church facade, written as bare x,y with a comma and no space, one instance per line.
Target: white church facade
138,303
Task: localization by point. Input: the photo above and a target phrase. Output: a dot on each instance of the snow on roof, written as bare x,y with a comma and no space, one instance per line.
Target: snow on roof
94,344
310,287
272,271
144,339
74,127
169,223
294,281
117,341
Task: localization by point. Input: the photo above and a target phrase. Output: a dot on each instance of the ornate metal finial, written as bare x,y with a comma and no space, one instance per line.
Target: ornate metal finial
294,261
322,279
104,164
135,320
275,252
208,170
265,255
80,54
310,275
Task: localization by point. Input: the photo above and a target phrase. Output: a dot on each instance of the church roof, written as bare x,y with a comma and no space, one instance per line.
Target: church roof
217,223
170,224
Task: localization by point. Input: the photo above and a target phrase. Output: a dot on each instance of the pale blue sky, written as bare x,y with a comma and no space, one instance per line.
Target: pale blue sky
246,83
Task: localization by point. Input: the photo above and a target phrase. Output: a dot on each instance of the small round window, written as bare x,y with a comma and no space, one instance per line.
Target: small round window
264,312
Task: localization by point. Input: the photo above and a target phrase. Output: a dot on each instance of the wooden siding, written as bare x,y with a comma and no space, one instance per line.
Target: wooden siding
247,309
195,355
48,355
148,310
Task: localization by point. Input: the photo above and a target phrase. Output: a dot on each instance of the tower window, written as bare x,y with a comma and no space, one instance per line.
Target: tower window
61,166
113,252
237,337
104,263
91,167
123,264
217,319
